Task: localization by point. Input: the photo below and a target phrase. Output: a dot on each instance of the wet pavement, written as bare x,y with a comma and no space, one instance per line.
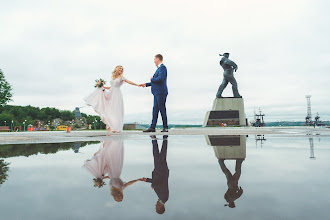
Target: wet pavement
92,135
181,176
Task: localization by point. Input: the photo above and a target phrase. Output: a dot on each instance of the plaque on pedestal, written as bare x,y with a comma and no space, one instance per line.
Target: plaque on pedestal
228,146
226,110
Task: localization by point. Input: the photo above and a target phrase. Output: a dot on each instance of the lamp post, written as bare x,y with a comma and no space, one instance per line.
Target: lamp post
24,124
82,122
5,123
100,124
12,123
95,124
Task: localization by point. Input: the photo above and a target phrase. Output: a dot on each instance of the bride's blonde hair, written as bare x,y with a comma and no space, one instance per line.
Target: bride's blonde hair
117,194
115,72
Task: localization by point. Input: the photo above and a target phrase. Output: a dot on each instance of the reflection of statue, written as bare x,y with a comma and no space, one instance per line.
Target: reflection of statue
230,147
160,174
233,192
228,76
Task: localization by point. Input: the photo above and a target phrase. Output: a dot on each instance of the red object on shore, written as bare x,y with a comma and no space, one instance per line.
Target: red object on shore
68,130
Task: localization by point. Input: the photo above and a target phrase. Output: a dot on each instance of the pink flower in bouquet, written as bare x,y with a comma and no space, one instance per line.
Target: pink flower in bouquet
99,83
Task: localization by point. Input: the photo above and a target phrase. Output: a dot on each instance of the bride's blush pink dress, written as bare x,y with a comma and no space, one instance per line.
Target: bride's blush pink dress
109,104
98,165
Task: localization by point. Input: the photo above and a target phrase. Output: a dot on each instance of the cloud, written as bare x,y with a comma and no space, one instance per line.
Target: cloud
52,51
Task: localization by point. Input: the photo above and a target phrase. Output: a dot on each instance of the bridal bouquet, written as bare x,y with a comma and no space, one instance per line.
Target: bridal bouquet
99,83
98,182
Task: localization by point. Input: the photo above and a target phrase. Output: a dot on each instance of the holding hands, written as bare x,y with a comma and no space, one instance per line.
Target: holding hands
144,85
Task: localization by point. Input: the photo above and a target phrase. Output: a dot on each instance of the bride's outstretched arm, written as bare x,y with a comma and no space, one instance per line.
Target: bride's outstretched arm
132,83
132,182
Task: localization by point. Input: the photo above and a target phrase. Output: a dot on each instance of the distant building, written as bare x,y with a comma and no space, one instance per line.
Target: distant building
77,113
134,126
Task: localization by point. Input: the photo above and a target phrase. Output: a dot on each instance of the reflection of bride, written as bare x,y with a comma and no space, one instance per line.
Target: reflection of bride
98,167
116,151
109,159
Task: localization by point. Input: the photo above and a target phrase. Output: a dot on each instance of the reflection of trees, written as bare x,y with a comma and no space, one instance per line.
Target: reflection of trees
15,150
3,171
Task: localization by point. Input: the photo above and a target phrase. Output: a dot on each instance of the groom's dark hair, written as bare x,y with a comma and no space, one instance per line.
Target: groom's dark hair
160,57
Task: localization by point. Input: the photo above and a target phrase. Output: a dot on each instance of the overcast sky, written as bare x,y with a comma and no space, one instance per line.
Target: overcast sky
52,51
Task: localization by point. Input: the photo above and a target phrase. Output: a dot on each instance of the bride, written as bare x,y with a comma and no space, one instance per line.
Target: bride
109,104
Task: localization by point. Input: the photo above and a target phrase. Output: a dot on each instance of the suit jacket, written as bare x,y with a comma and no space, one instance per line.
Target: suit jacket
159,81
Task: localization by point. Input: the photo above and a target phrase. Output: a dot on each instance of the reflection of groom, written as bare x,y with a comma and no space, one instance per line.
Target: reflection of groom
160,174
158,85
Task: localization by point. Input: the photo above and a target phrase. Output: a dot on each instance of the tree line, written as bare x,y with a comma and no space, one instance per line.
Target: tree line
17,115
34,115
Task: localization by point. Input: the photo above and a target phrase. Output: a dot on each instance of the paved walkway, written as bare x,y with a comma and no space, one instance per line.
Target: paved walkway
61,136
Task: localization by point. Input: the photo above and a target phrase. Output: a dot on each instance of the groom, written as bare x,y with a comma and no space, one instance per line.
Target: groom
160,174
158,85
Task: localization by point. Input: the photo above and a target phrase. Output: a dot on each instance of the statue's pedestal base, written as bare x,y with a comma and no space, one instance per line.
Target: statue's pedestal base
226,110
228,147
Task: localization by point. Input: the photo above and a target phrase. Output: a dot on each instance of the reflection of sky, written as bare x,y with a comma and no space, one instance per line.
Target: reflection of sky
279,182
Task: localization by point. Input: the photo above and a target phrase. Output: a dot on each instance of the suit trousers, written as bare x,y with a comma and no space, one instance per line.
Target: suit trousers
159,106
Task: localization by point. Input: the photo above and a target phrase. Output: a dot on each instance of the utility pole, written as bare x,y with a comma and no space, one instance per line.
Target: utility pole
311,147
309,110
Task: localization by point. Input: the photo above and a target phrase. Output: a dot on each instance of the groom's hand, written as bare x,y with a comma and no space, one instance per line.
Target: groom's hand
142,85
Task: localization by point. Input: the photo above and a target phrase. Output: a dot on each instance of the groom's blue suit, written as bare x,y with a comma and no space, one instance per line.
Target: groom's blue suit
159,90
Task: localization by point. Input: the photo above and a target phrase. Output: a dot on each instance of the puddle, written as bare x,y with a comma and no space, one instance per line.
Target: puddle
193,177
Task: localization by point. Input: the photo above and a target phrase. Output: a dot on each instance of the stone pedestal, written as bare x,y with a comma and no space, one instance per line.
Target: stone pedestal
228,146
226,110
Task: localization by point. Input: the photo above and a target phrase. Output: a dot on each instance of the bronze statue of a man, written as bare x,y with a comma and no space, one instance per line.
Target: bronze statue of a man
228,76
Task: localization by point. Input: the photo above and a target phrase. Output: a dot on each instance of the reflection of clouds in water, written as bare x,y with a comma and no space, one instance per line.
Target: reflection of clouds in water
111,204
294,143
279,181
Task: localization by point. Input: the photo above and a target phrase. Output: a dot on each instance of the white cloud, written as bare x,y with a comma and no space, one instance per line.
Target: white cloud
51,51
